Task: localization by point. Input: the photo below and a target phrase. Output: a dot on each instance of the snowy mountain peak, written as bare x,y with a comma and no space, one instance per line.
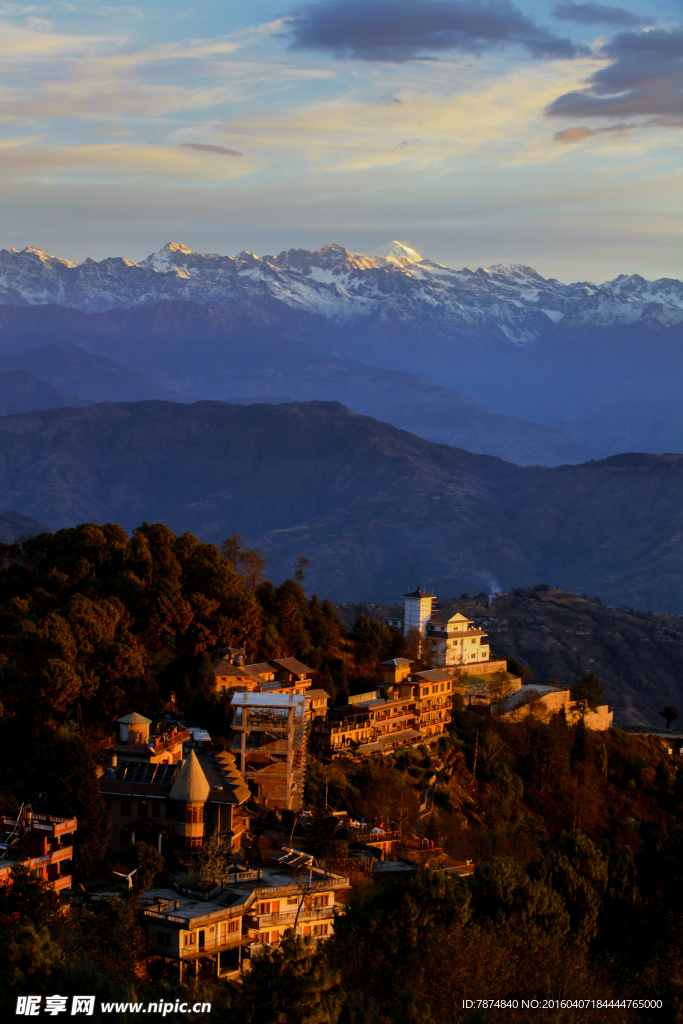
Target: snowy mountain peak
397,252
392,287
44,257
518,271
176,247
168,257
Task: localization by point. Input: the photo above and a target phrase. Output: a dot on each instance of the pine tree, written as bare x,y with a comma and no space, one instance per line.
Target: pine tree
69,787
147,862
27,899
669,714
321,833
291,985
663,776
588,694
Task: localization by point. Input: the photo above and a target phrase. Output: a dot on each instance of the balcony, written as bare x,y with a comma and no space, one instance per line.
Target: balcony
160,746
370,837
260,921
52,857
213,946
45,824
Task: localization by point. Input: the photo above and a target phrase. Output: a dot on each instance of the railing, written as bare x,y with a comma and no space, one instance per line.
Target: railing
368,837
198,919
289,916
42,823
172,741
54,857
331,882
213,946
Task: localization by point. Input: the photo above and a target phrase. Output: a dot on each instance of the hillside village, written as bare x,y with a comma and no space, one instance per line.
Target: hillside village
266,800
173,792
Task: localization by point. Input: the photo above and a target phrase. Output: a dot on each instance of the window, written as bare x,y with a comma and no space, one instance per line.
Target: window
192,842
228,928
125,808
293,902
190,938
320,901
156,808
263,908
163,939
142,808
443,687
189,815
320,929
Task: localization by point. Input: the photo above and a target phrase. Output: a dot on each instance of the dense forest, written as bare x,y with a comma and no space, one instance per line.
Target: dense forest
95,623
576,838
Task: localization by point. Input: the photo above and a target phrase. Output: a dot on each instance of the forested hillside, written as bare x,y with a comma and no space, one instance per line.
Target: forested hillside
575,838
316,479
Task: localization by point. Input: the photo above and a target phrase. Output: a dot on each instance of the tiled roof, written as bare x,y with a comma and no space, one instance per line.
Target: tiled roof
435,675
191,786
292,665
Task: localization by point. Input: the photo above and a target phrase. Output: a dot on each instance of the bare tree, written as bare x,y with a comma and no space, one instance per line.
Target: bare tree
301,564
231,549
249,563
252,568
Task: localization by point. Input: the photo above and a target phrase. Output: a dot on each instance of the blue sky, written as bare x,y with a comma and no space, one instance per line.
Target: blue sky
476,131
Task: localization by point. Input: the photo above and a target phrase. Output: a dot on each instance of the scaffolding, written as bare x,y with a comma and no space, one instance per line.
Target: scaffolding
273,727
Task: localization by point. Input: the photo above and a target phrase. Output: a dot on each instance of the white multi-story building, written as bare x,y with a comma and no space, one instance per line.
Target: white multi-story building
452,638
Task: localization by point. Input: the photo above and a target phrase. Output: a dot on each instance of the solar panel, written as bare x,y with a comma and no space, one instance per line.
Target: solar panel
136,771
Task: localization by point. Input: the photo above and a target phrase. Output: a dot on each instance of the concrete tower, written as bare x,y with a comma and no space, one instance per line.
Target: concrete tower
417,610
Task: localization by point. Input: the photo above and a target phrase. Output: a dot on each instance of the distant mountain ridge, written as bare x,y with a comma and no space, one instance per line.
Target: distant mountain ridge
570,357
196,351
512,304
374,508
68,366
21,392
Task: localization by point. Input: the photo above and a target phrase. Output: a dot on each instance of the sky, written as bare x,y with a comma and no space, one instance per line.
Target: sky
475,131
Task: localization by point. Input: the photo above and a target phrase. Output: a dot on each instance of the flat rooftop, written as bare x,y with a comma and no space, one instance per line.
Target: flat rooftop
269,700
170,905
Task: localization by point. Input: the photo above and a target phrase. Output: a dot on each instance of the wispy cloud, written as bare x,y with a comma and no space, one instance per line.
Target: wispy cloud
580,132
120,161
495,122
204,147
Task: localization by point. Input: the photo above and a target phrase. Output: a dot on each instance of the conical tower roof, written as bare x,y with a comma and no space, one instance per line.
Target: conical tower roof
134,719
191,786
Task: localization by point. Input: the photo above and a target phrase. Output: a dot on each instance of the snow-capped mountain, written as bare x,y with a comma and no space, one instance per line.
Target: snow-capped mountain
392,288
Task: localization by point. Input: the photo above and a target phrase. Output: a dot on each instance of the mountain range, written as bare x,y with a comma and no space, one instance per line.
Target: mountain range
197,351
565,356
374,508
508,303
